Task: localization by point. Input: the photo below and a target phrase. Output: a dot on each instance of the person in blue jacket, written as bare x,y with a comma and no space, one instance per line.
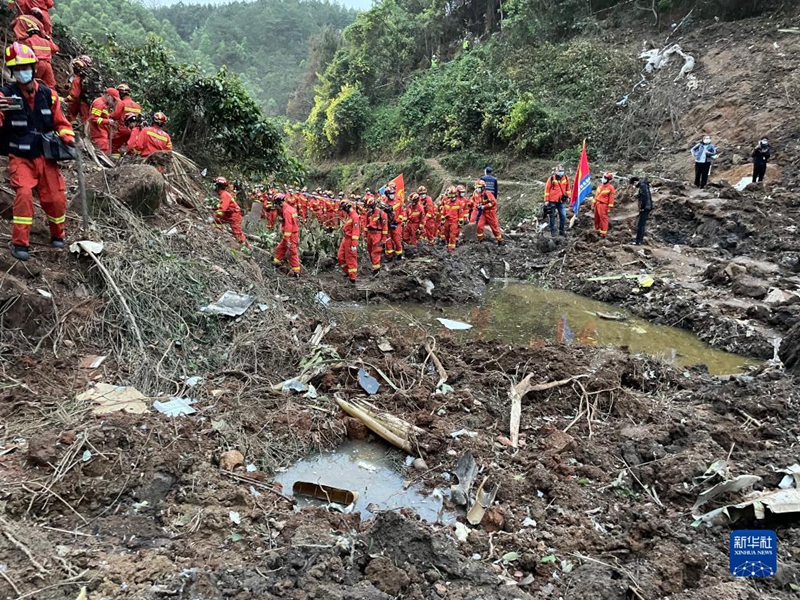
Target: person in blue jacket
491,180
704,153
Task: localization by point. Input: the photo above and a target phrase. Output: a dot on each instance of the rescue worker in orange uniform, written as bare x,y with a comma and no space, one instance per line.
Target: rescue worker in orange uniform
77,102
125,106
415,217
21,132
557,192
348,249
429,215
43,48
228,210
377,232
486,212
603,202
288,248
37,8
396,214
101,121
452,217
21,23
154,139
134,124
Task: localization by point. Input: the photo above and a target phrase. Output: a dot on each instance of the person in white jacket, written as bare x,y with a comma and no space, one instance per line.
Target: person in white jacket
704,153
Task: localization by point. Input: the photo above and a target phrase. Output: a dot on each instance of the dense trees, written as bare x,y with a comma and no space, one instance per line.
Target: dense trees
265,42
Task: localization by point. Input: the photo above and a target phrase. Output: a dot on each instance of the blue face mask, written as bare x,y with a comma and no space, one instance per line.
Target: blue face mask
25,76
560,173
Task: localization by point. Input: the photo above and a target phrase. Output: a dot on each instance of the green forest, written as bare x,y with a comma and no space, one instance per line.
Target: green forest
409,79
265,42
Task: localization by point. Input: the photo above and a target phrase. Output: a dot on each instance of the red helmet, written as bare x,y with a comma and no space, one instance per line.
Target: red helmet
221,182
160,118
19,54
608,175
36,11
480,184
83,61
422,190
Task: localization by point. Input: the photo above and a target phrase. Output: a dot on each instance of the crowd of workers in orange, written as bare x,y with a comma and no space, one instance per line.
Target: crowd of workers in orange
384,221
34,123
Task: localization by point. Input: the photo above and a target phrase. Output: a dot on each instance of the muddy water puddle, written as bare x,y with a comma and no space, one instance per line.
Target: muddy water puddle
376,472
523,314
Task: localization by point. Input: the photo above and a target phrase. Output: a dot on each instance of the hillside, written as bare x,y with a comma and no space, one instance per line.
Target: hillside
266,43
532,80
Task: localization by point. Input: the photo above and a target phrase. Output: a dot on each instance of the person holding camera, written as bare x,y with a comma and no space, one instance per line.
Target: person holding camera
29,113
556,194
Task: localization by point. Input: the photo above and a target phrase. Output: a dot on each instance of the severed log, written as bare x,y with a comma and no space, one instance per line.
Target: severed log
375,426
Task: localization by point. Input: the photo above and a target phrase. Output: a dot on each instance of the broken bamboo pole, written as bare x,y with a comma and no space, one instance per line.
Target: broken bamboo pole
375,426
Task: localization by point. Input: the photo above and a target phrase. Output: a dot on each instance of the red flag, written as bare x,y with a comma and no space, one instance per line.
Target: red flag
582,186
400,187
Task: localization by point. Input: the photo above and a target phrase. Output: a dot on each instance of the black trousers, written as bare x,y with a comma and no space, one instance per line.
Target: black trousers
643,215
758,172
701,174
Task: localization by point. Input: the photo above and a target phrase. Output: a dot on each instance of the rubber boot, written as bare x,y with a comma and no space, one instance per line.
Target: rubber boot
20,252
57,242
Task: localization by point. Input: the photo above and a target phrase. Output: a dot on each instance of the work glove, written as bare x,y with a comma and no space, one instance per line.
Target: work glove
69,140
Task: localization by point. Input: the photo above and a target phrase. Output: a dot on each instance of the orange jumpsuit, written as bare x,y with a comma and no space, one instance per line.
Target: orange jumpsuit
43,49
431,222
77,107
20,25
26,6
348,257
486,205
377,232
452,218
28,168
288,246
100,125
603,201
229,212
149,141
415,214
126,106
394,245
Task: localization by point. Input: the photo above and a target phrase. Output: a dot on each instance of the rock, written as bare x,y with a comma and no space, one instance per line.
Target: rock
385,576
776,296
791,261
734,270
229,460
356,430
42,450
493,520
557,442
154,491
790,350
419,464
440,588
749,287
729,242
67,437
759,312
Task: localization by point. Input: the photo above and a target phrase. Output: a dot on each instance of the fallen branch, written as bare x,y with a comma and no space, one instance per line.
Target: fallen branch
522,389
375,426
124,302
436,363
